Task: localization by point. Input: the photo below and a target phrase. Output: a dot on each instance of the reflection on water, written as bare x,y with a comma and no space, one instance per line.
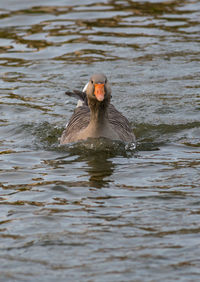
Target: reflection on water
97,167
96,210
98,175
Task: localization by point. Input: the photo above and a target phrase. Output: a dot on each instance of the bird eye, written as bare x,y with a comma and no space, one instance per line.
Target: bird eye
92,81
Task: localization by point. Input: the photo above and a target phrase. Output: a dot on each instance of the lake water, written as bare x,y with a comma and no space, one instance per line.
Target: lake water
98,211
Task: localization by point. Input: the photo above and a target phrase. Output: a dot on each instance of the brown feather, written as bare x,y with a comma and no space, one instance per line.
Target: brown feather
96,118
81,118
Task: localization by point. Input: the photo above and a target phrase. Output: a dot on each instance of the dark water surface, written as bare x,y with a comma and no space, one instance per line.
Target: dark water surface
98,211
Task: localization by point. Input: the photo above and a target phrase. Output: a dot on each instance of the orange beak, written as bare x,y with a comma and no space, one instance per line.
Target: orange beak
99,91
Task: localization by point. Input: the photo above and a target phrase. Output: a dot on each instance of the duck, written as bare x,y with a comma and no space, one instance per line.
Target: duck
95,116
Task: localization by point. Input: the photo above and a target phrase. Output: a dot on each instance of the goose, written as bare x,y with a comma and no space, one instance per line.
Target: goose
95,116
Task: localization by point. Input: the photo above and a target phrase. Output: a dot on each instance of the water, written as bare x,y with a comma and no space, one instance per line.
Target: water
100,211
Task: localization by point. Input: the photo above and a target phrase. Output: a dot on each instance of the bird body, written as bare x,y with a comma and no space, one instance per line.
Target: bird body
95,117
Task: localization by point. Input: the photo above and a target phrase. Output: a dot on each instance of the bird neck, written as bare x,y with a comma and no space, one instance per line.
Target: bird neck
98,112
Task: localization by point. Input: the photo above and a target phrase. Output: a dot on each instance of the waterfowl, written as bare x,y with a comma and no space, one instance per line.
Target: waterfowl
95,116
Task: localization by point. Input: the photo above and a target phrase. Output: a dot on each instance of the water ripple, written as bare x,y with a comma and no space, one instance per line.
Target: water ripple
100,210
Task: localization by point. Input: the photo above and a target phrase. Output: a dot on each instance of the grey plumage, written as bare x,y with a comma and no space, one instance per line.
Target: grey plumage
96,119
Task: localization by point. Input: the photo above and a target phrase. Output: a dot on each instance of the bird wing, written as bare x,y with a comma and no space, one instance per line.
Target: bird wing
120,124
78,95
78,121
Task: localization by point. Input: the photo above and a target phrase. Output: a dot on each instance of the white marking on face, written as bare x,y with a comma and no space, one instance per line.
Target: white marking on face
85,87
